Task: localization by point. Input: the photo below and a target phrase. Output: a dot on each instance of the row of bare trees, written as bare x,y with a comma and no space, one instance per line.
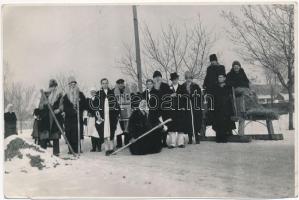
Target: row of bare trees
21,96
173,49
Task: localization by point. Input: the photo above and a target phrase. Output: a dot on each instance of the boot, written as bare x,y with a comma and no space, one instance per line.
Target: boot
190,139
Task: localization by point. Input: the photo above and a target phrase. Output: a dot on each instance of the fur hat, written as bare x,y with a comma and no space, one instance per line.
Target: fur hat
157,73
213,57
53,83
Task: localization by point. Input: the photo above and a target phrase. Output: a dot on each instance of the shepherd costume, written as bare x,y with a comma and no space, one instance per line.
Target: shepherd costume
123,97
139,123
109,112
10,122
222,123
91,128
164,92
177,114
193,114
48,126
70,108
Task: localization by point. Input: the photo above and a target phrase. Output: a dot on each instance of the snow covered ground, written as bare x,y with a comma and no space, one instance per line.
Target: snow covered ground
262,169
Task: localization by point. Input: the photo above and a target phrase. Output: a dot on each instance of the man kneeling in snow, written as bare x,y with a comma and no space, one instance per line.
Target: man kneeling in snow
141,121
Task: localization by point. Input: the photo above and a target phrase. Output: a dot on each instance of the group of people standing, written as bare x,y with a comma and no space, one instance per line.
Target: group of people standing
98,114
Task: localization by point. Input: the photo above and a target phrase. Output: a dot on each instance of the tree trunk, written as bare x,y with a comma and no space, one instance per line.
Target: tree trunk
291,109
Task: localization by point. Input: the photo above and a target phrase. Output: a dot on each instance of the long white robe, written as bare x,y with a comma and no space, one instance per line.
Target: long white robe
107,131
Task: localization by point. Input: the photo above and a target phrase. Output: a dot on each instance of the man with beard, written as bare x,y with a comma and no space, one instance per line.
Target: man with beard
192,95
123,96
47,123
73,102
109,111
175,128
163,91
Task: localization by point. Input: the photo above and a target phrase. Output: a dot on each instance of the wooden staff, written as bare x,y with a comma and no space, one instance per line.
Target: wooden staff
78,119
57,123
141,136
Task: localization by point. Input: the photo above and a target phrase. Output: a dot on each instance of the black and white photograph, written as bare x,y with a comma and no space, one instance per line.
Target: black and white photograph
163,100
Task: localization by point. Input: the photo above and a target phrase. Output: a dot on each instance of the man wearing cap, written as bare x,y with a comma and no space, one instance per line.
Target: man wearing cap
47,124
123,96
192,121
175,128
69,104
163,91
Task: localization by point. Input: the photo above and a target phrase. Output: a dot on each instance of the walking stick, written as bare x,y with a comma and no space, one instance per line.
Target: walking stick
57,123
79,133
141,136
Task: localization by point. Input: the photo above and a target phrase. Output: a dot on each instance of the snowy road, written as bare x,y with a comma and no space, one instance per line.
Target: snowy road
256,169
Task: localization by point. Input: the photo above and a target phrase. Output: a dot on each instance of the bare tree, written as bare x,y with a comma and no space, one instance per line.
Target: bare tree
173,49
265,36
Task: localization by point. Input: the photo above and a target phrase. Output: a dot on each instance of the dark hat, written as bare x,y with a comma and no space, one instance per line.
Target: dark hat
174,76
53,83
120,81
157,73
221,73
213,57
236,63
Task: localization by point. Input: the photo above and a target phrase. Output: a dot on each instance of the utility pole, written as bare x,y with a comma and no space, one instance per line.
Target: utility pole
137,48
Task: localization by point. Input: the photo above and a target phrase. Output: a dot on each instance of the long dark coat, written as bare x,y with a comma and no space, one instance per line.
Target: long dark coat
10,123
223,109
164,99
239,79
177,112
114,111
192,100
211,79
47,123
139,123
153,102
71,122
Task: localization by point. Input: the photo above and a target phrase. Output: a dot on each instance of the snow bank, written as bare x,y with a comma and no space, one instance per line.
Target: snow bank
24,156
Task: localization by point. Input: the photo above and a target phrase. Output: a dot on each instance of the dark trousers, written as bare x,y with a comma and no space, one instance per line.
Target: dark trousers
221,136
96,144
197,138
164,138
119,141
44,145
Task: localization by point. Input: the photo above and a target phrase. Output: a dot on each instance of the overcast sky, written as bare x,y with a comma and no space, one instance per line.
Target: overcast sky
40,42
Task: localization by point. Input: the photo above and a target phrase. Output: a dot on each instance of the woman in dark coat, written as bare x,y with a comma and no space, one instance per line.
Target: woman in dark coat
223,106
237,76
34,134
10,122
193,114
141,121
